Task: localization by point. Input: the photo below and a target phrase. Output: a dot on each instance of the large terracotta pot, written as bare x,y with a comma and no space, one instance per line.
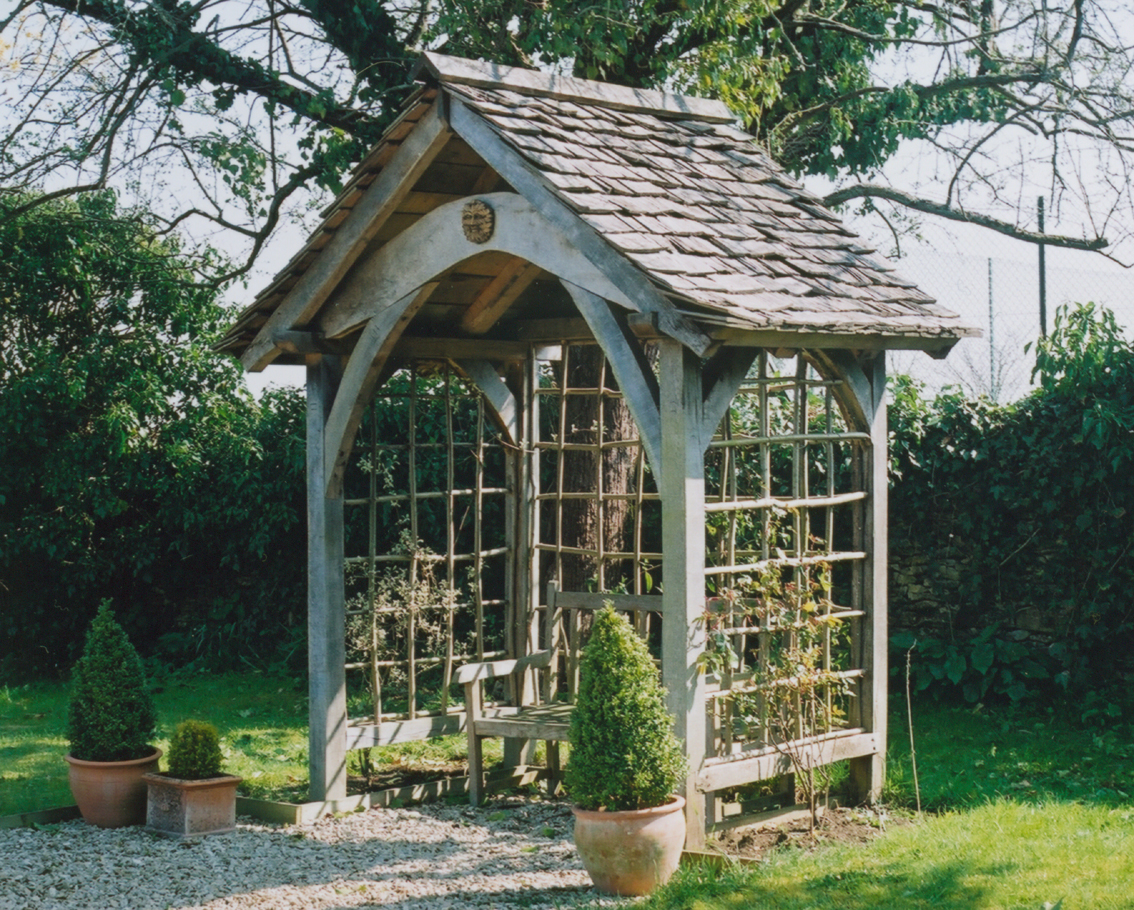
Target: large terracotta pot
111,794
633,852
191,808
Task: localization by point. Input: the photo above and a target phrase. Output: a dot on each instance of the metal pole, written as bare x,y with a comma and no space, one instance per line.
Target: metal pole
992,391
1042,277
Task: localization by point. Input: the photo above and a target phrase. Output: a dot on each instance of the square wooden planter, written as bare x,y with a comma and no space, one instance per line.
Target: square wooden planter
190,808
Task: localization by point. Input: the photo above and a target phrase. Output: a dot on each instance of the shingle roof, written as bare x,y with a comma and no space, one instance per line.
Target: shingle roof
709,217
681,193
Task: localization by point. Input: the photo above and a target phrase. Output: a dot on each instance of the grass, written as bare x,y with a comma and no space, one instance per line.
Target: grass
1002,854
1025,810
262,721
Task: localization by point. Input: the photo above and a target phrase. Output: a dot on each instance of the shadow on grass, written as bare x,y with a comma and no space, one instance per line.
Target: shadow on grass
950,885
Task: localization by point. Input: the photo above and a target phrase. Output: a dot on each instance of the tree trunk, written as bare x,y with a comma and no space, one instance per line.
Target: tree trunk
583,519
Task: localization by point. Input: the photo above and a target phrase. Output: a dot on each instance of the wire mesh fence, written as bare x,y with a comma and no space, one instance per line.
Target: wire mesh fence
1001,297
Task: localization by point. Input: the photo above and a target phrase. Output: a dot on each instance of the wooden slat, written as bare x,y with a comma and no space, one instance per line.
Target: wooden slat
380,200
764,764
624,603
497,668
526,725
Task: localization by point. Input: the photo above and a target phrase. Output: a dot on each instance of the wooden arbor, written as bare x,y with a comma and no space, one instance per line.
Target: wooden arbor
509,221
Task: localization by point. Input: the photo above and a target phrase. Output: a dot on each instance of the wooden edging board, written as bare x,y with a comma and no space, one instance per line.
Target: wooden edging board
40,817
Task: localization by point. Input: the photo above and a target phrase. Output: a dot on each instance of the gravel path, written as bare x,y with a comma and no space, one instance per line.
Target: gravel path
511,853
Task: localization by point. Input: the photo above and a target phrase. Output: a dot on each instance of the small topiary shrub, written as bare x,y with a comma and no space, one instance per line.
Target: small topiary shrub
111,716
623,751
194,751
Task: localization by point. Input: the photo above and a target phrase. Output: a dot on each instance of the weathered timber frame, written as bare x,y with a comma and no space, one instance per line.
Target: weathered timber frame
508,222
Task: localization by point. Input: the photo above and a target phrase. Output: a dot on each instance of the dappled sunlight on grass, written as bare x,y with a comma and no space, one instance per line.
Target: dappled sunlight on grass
999,855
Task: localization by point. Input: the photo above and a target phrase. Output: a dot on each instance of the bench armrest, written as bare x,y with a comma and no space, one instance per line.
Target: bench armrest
493,669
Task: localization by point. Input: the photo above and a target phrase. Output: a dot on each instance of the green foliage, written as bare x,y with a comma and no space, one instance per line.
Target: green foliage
984,666
194,751
136,463
623,751
798,75
111,716
1034,502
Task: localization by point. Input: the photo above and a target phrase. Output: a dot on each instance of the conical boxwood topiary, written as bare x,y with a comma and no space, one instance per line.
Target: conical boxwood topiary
623,751
111,715
194,751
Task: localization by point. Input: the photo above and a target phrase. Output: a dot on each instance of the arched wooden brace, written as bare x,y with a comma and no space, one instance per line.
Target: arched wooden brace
385,291
866,405
437,242
635,378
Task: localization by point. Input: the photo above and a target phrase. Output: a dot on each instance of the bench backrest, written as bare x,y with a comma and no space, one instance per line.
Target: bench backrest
565,610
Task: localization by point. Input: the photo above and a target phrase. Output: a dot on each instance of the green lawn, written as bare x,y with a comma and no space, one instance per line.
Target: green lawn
1000,856
1023,809
262,721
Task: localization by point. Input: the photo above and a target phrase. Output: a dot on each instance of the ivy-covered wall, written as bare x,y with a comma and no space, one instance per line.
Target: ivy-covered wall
1012,527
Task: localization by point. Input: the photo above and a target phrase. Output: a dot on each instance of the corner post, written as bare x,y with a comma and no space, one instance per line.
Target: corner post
326,657
868,774
683,545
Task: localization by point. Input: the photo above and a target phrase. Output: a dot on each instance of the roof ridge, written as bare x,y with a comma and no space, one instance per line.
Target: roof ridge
460,71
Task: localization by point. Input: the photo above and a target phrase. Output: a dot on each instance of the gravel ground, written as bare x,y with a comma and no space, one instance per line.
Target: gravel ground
511,853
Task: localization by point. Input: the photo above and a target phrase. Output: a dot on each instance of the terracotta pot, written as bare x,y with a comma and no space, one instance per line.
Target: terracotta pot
633,852
191,808
111,794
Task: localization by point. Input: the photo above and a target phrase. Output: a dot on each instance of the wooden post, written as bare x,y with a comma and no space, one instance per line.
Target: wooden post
326,619
521,523
869,772
683,543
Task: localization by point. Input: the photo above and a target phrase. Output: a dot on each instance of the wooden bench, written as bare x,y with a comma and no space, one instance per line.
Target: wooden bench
550,721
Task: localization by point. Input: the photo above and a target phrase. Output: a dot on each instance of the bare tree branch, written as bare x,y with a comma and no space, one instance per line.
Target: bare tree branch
868,191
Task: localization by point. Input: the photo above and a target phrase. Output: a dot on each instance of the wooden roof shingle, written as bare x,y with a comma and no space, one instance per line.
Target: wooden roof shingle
671,185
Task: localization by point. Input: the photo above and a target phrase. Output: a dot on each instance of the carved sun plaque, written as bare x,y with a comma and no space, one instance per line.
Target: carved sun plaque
478,221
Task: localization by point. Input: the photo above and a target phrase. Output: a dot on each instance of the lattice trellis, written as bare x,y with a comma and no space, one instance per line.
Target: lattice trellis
576,441
430,573
426,556
785,500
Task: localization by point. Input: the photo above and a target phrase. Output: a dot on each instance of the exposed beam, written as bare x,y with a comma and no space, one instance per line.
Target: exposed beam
360,377
571,88
484,376
936,346
379,201
682,488
295,341
581,236
499,294
720,379
493,350
437,242
635,378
